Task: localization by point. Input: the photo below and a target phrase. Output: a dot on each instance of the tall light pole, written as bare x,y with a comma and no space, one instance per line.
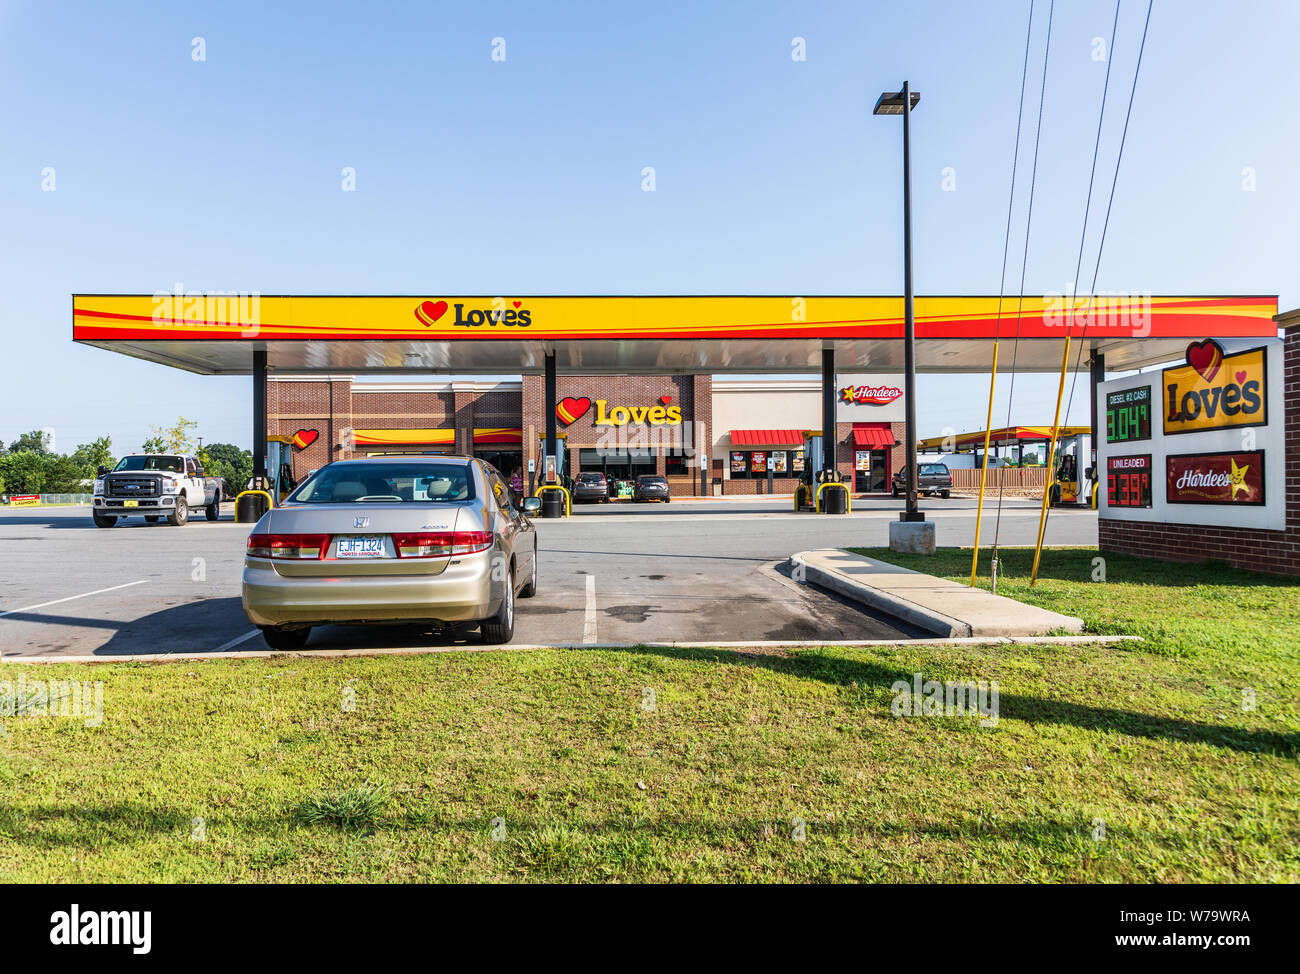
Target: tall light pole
902,103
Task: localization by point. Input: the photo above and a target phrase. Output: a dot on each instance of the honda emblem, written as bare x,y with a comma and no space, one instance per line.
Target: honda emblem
361,522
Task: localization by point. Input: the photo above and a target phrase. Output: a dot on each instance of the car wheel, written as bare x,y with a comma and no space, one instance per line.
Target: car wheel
530,589
501,627
103,520
214,509
893,492
182,513
286,638
668,500
945,494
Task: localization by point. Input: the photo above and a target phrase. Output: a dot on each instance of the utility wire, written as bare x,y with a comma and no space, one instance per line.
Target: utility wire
1002,287
1029,218
1114,180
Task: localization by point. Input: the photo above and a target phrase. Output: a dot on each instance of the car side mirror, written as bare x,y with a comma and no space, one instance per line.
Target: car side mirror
532,505
101,471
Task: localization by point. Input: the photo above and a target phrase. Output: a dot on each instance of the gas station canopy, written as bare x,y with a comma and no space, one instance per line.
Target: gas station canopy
1006,436
216,334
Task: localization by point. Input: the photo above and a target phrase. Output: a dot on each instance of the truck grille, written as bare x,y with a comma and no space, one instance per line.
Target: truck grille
133,487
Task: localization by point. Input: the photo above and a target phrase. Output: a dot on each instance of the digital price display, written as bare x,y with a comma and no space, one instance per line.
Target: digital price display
1128,415
1128,481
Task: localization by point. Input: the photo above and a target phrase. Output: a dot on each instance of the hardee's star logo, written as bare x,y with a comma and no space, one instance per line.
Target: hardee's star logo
1237,478
846,394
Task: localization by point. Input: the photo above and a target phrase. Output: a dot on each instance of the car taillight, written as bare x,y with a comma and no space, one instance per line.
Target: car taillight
296,546
441,544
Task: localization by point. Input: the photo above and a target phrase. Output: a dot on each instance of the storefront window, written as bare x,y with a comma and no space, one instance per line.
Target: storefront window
746,464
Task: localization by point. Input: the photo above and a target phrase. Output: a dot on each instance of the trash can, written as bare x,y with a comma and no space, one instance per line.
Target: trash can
552,503
250,506
717,486
835,499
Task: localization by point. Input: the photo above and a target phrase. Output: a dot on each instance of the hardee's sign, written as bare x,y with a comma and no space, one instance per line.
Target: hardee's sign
870,395
1216,390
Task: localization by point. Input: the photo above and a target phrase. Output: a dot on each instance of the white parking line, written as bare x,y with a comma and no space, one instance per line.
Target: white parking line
237,640
98,591
589,619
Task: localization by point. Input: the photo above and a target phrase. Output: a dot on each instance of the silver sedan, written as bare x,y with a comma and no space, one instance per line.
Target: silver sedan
392,539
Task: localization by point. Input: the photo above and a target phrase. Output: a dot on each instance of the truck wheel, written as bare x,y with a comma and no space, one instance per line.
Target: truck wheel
152,518
285,638
893,492
945,494
214,509
103,520
501,627
182,513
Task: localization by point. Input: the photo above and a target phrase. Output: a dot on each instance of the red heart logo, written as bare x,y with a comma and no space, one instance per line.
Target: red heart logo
1241,377
516,303
304,438
1205,357
570,409
430,311
665,399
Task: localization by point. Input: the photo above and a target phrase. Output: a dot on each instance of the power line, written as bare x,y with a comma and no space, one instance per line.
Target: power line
1029,219
1002,288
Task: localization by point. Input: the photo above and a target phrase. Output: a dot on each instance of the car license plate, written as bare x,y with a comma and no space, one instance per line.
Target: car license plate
361,546
130,503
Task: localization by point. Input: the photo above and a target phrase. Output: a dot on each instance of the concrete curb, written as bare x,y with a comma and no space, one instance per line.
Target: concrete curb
920,616
916,613
325,653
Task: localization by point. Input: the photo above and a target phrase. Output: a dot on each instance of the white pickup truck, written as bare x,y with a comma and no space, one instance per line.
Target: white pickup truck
157,486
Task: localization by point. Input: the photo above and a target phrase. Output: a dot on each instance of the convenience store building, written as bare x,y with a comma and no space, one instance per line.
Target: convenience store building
706,434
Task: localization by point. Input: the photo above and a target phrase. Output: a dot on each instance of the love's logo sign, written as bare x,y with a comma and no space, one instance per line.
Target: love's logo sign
1205,357
501,312
304,438
430,311
569,409
1215,390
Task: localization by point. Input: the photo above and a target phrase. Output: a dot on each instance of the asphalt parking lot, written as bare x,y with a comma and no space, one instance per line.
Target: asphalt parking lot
618,573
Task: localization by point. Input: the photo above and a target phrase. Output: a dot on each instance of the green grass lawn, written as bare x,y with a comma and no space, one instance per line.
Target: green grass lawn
552,765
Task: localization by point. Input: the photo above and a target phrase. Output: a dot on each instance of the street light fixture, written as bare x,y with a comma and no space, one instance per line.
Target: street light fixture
902,103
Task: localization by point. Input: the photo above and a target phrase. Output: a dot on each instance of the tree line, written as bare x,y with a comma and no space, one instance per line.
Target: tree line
29,466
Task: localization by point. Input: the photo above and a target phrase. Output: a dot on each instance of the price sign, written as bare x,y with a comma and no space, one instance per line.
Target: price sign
1128,415
1128,481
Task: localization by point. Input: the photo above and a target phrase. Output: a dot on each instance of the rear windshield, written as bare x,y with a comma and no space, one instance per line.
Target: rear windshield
652,480
387,483
167,464
933,468
591,477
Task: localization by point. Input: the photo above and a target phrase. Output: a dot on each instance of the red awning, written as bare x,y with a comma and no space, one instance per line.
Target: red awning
767,438
869,438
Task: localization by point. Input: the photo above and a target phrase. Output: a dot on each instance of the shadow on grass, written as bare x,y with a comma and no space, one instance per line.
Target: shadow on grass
547,846
843,671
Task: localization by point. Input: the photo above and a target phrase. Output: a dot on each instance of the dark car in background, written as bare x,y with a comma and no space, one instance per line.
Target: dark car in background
590,487
935,479
651,487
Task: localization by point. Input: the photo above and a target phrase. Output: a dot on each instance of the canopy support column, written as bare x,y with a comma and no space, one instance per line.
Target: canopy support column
548,409
1098,376
828,409
259,414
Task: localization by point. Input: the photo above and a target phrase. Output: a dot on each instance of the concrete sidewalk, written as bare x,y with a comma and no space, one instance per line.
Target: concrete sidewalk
935,604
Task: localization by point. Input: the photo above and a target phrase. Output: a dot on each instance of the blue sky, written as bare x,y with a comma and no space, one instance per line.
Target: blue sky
524,176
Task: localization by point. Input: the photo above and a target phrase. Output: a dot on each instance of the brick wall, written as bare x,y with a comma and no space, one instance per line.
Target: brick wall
1276,552
331,405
